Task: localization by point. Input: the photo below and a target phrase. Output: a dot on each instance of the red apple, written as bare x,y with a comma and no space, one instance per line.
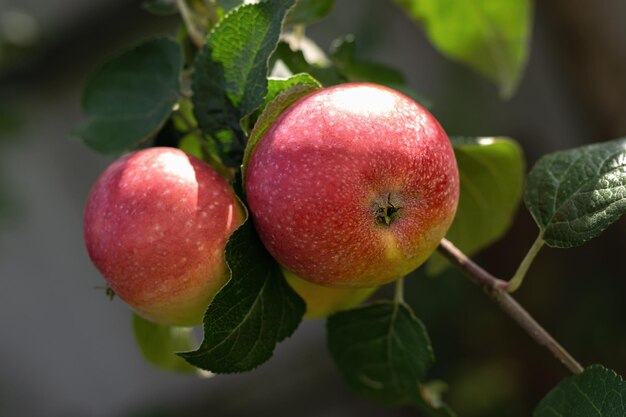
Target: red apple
156,224
353,186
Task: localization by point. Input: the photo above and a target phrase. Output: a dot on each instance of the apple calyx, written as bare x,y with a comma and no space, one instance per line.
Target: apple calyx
386,208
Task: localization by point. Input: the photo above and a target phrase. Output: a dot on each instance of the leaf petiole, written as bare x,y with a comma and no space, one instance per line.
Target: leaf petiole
518,278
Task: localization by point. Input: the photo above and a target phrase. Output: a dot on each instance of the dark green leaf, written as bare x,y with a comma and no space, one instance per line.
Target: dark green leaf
308,11
128,99
574,195
285,93
160,7
251,314
597,392
343,56
491,172
383,352
351,68
492,37
230,73
160,343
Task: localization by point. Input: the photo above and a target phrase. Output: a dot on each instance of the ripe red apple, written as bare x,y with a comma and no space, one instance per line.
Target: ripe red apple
156,224
353,186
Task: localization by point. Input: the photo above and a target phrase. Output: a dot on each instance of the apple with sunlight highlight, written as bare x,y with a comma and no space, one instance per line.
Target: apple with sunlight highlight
156,225
353,186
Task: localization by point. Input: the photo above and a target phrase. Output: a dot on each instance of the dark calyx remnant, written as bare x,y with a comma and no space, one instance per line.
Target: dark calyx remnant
386,208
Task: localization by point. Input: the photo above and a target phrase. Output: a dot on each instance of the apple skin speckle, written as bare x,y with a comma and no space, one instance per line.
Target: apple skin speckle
156,225
316,181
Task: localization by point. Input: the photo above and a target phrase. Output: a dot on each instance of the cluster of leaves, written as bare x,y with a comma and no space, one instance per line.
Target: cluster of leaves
207,91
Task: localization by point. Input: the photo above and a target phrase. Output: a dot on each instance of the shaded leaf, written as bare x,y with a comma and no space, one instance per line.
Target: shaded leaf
491,172
574,195
353,69
597,392
383,352
491,37
251,314
343,56
306,12
128,99
160,343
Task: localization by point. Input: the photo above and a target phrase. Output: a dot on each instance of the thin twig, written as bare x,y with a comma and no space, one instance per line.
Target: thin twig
194,34
496,289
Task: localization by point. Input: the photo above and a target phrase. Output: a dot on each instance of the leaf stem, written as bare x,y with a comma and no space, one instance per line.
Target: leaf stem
496,290
518,278
196,36
399,295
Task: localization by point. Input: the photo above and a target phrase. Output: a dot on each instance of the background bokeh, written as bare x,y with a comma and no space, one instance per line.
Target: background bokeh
66,350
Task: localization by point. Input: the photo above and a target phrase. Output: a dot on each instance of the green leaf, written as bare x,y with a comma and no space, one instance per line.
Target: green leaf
491,172
160,343
130,97
192,145
343,56
251,314
230,73
597,392
574,195
491,37
383,352
160,7
353,69
277,86
306,12
283,94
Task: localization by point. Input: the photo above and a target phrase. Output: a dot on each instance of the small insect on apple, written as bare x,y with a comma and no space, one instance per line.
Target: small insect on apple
353,186
156,225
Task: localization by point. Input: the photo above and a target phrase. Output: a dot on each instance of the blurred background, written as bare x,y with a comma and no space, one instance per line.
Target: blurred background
66,350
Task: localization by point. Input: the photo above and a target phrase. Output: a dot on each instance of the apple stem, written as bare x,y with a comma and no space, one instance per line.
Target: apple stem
518,278
496,289
399,295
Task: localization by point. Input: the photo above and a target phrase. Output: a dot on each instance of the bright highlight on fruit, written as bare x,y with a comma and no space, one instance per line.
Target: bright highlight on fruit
353,186
156,225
